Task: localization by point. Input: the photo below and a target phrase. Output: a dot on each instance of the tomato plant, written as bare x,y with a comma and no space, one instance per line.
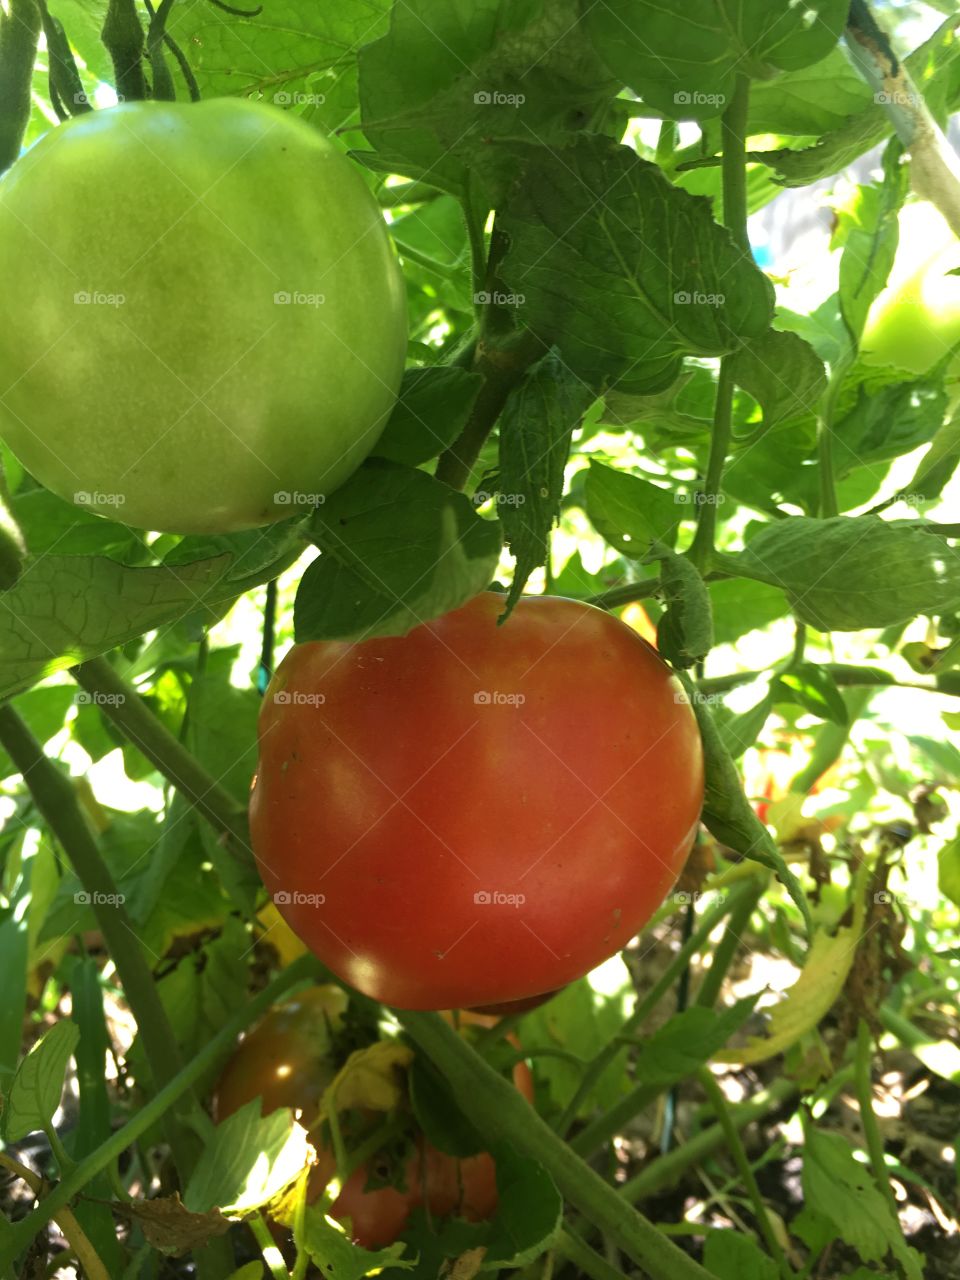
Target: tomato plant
290,1058
230,350
420,903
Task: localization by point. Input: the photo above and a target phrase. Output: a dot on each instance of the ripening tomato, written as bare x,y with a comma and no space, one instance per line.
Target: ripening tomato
472,814
205,326
288,1059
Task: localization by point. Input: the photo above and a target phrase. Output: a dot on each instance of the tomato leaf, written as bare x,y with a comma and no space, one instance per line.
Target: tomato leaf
848,573
433,407
727,812
682,1045
782,372
814,689
37,1086
247,1161
871,236
336,1255
629,281
687,68
685,632
536,427
369,581
628,512
437,1113
948,870
733,1256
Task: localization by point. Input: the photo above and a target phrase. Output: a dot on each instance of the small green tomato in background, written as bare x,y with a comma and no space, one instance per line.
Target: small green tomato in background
916,319
205,320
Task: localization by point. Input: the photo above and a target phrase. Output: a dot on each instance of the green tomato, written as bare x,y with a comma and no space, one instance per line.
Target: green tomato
916,319
205,320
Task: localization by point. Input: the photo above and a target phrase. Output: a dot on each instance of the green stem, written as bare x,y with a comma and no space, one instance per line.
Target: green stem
667,1170
163,89
871,1130
503,367
606,1126
734,171
272,1258
24,1231
123,705
122,35
627,593
500,1113
828,484
726,949
586,1260
57,803
831,740
19,34
731,1134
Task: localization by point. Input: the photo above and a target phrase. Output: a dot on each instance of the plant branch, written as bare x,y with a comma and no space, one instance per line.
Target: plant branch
731,1134
57,803
19,34
499,1112
503,366
734,129
124,706
24,1231
122,35
871,1130
934,166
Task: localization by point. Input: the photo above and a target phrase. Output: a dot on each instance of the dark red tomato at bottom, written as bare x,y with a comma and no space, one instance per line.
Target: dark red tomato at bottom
474,814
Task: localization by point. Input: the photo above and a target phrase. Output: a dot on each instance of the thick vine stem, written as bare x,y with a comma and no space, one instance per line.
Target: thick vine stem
734,131
57,803
499,1112
934,166
23,1232
503,367
123,36
136,721
19,33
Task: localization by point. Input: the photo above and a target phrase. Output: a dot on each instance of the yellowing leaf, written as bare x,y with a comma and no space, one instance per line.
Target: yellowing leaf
948,870
809,999
281,937
371,1078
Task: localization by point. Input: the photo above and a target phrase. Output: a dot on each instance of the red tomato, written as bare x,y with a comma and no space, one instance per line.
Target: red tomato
516,1006
471,814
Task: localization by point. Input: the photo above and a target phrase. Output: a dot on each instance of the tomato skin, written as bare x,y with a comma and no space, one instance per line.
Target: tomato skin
191,403
286,1058
441,846
516,1006
916,318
